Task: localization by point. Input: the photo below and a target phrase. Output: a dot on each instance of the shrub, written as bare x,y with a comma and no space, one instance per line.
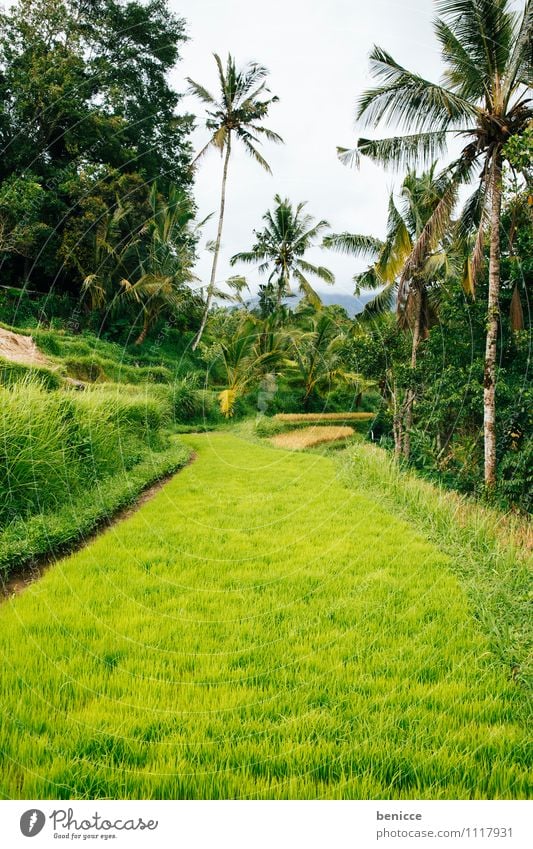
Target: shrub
266,426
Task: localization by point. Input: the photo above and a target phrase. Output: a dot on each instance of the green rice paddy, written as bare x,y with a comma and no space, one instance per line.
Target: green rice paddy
258,630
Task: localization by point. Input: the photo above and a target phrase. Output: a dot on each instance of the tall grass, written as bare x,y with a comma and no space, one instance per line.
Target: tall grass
55,444
258,630
489,551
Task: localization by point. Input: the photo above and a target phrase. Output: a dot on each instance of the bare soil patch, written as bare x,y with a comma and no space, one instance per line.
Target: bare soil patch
21,349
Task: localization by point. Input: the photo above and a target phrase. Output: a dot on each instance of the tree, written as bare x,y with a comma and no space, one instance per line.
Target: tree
416,298
252,350
84,86
106,258
317,360
280,249
241,106
21,201
485,100
163,260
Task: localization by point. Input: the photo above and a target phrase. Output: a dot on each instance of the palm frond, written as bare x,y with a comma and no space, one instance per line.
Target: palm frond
368,279
254,153
200,92
383,302
462,73
349,156
472,211
269,134
438,221
353,244
318,270
478,257
249,256
520,68
307,290
408,100
402,151
485,28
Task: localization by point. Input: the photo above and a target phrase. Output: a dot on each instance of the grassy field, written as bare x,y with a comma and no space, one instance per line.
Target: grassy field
259,630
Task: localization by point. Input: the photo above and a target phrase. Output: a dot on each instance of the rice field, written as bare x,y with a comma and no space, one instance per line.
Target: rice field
258,630
304,418
310,437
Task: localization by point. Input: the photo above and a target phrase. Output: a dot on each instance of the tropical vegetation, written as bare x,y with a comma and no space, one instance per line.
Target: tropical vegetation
334,549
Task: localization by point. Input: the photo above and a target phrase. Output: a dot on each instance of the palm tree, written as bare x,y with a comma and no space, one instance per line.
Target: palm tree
238,112
415,299
280,248
318,357
485,100
254,350
107,253
163,253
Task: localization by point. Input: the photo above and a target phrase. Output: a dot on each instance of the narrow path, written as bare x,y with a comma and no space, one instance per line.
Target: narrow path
255,630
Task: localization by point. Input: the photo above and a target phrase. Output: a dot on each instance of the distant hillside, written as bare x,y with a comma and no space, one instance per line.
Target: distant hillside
353,304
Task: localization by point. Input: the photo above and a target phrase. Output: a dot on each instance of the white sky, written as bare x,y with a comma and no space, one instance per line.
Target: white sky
317,55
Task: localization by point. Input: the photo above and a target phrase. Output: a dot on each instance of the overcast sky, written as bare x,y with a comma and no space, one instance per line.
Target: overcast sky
317,55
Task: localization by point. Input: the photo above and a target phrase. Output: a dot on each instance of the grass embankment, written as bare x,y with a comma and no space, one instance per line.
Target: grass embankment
257,630
70,459
490,551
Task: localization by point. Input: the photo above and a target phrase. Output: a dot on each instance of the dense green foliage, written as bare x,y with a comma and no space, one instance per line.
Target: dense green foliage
88,123
446,432
250,634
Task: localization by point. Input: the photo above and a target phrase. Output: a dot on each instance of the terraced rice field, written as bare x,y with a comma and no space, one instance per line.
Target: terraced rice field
304,418
258,630
309,437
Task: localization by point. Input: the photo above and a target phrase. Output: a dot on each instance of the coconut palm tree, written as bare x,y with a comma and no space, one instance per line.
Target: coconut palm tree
280,248
484,99
415,299
241,106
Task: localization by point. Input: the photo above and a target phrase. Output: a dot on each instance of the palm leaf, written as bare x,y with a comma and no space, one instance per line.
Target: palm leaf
318,270
306,288
408,100
199,91
383,302
521,61
402,151
254,153
354,244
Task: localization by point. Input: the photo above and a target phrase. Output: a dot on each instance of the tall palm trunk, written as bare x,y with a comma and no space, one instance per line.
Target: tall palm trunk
211,287
144,332
410,398
493,317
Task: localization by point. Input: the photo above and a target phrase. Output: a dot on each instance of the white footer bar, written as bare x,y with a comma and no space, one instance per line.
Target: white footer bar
267,824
